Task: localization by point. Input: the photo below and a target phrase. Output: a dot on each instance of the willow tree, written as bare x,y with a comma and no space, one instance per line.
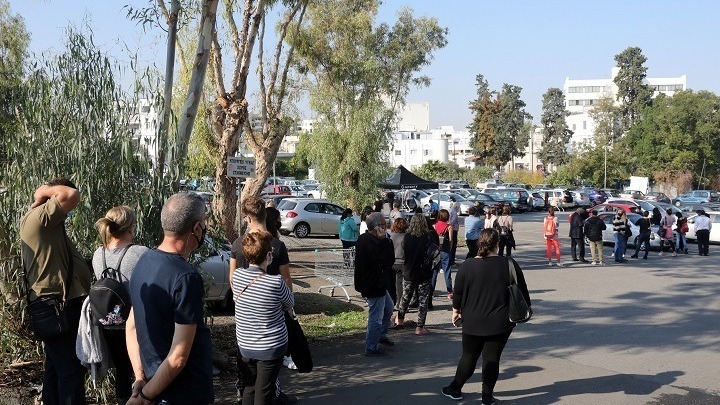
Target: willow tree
360,73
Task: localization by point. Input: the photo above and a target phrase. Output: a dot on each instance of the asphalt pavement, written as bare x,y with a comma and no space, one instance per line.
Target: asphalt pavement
641,332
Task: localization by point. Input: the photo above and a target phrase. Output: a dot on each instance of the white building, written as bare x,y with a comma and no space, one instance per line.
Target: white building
414,117
414,149
582,95
144,126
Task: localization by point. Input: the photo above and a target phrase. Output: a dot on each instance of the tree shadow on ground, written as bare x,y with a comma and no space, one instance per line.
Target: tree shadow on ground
312,303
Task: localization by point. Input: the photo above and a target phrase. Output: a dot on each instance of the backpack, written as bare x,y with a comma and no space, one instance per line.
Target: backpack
109,299
428,263
628,231
550,229
684,228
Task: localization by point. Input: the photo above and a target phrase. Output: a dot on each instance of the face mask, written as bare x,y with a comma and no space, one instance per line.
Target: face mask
201,240
269,259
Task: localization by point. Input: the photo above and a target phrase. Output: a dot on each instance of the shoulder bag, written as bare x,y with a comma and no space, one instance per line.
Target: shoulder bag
297,344
518,310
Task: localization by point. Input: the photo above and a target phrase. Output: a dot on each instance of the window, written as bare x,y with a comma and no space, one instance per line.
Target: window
426,152
584,124
573,127
312,207
398,152
413,152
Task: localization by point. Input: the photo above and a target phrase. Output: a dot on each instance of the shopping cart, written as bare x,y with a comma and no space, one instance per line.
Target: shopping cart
336,266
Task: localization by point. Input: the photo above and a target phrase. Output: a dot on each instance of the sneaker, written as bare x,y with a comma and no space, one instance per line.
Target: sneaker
289,363
284,399
450,296
674,254
451,393
387,342
489,400
550,264
560,264
634,256
584,261
602,263
377,352
594,263
660,254
645,257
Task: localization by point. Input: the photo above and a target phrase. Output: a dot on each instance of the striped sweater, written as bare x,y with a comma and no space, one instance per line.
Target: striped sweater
259,321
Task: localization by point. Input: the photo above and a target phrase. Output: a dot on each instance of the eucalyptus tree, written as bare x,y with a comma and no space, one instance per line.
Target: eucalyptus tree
633,93
556,134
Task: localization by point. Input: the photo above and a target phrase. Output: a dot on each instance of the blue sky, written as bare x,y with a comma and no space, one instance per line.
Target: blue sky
532,44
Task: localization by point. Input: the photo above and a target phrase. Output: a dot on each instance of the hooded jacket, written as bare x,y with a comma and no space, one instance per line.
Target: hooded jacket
374,258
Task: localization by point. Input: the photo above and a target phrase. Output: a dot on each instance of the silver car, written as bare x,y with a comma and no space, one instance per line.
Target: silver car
446,203
305,216
213,263
609,238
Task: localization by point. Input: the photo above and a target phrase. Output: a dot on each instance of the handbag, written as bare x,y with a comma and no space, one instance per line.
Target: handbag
298,344
518,310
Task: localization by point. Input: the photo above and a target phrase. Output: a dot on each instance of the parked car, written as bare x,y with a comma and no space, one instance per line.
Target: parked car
538,201
612,206
611,192
696,197
276,198
319,192
634,194
581,199
559,198
518,198
489,183
691,209
714,231
298,191
214,267
594,195
609,238
657,196
305,216
446,203
276,189
459,184
487,201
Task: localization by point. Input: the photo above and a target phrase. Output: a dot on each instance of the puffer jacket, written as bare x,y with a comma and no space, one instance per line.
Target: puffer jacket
594,228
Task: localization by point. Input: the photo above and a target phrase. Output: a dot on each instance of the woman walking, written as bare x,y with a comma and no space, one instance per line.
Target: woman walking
505,230
480,304
348,229
397,235
552,237
442,228
490,218
117,230
417,270
260,300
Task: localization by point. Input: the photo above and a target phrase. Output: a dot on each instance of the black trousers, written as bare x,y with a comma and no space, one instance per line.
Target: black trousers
575,245
703,241
64,379
643,238
259,377
504,247
490,347
117,347
472,245
398,270
453,247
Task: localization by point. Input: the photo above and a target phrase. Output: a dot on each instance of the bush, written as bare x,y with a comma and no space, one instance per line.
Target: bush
524,176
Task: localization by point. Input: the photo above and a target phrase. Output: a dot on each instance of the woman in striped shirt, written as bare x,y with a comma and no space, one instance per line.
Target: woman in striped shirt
260,300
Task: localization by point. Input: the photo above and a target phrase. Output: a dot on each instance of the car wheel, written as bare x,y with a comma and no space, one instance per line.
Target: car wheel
302,230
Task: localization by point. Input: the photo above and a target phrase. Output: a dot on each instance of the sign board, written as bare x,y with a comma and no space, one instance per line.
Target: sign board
241,167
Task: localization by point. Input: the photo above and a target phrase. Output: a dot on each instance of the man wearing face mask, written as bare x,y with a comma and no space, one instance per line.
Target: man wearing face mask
168,341
374,257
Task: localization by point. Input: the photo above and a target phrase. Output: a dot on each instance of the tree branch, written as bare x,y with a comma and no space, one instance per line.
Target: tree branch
229,6
261,75
251,23
169,15
278,51
216,57
291,51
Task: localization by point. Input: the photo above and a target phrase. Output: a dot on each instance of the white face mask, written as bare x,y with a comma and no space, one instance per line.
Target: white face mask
269,258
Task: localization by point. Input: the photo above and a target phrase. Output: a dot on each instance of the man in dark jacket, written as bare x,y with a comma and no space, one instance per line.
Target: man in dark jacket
594,228
577,234
374,257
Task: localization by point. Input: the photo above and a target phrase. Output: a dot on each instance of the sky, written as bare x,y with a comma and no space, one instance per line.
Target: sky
531,44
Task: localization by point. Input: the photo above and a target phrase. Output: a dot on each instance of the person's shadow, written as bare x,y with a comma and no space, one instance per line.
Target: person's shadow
629,384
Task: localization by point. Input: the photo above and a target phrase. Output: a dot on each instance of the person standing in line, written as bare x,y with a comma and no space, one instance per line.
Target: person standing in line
665,231
619,225
378,204
168,341
577,235
480,304
396,213
48,257
348,229
644,238
552,237
594,227
490,218
397,234
703,226
473,226
434,207
505,230
681,228
416,272
443,230
363,216
117,230
374,257
260,302
454,223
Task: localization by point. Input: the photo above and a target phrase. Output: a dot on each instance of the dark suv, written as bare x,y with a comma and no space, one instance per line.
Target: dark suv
518,198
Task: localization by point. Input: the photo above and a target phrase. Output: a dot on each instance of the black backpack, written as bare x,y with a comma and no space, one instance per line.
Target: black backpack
109,299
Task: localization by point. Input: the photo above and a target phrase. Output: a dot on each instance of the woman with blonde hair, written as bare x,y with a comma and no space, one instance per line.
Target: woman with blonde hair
416,271
117,230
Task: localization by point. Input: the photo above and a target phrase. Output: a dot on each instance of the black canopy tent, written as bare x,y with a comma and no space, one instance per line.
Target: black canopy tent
403,178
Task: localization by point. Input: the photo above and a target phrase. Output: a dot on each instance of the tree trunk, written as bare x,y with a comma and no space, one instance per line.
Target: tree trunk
172,19
187,119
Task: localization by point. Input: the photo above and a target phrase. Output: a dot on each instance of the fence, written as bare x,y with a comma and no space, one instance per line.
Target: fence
336,266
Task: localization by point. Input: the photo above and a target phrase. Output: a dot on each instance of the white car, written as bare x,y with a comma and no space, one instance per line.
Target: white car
714,232
609,237
446,203
319,192
305,216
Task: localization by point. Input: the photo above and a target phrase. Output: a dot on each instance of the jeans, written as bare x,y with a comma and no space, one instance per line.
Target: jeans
678,237
619,249
643,238
64,379
380,312
703,241
445,266
347,244
472,245
491,348
259,377
577,244
596,250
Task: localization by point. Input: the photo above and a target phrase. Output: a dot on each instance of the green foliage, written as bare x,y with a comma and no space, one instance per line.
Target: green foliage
499,130
556,134
76,123
479,174
633,93
435,170
523,176
359,74
607,122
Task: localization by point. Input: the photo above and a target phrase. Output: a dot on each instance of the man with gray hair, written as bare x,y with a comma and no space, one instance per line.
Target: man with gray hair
374,257
168,341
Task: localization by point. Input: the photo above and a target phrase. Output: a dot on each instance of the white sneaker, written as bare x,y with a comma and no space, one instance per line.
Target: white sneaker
550,264
289,363
594,263
560,264
660,254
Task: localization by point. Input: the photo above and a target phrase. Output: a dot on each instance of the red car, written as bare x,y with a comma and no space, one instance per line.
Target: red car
614,206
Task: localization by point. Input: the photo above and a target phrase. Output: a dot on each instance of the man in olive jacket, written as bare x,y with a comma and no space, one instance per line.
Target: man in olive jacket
374,257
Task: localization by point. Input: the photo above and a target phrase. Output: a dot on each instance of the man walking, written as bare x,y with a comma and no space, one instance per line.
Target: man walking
703,225
644,237
168,341
577,234
455,228
374,257
48,260
594,228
